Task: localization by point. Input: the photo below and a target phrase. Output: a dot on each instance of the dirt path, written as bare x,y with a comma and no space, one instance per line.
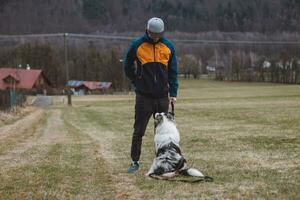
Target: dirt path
22,124
43,101
43,134
53,142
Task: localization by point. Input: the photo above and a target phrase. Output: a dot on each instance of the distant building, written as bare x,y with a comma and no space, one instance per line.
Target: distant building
29,80
90,87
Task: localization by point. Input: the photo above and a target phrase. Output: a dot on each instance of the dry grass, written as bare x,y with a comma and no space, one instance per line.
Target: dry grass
245,135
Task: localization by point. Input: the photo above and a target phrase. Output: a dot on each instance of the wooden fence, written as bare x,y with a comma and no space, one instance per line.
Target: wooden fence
10,99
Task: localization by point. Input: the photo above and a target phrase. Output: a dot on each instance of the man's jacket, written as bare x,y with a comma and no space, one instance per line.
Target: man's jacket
156,71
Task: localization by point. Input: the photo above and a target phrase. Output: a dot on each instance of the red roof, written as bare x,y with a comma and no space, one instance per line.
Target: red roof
25,79
13,76
92,85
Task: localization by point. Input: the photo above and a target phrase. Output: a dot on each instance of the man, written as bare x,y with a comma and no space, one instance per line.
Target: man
154,77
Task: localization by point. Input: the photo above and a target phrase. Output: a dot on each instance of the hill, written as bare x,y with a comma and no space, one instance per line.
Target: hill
87,16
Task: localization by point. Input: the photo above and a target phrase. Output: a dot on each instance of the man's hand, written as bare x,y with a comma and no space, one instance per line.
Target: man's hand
173,100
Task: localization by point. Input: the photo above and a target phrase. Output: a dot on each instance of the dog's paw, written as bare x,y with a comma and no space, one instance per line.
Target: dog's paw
169,174
147,174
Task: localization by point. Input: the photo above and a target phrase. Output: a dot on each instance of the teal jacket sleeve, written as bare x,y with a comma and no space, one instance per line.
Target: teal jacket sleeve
129,67
173,73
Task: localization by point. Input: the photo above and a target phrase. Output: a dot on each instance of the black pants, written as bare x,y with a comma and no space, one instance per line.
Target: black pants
145,107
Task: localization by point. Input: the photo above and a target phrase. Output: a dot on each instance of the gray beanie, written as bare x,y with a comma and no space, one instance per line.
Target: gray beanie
155,25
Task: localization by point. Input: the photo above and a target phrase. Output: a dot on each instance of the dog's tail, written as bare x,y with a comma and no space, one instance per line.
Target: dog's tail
191,172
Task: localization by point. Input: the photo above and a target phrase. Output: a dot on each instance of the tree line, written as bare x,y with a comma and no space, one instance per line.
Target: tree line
84,63
283,67
87,16
102,60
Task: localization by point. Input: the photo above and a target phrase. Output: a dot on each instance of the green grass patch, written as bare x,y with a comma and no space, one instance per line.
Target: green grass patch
244,135
269,143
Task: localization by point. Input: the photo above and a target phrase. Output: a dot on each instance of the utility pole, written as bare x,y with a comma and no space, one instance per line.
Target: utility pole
66,56
68,91
124,88
216,57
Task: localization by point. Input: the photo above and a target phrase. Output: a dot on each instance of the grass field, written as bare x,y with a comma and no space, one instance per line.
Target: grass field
245,135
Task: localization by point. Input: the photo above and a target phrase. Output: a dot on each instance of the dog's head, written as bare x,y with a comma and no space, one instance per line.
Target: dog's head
163,117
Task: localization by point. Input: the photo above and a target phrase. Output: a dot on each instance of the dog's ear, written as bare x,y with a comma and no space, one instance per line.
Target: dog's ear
170,116
156,114
158,119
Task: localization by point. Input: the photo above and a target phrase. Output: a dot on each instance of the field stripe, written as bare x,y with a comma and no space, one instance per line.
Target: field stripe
21,132
61,164
125,184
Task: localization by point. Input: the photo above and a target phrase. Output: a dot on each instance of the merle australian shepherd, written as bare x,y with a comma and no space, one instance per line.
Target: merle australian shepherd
169,160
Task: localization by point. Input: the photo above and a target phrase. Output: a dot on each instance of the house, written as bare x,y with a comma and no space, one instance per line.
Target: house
28,80
90,87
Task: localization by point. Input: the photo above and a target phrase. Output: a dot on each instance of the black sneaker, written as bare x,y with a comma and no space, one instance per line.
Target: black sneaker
133,167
